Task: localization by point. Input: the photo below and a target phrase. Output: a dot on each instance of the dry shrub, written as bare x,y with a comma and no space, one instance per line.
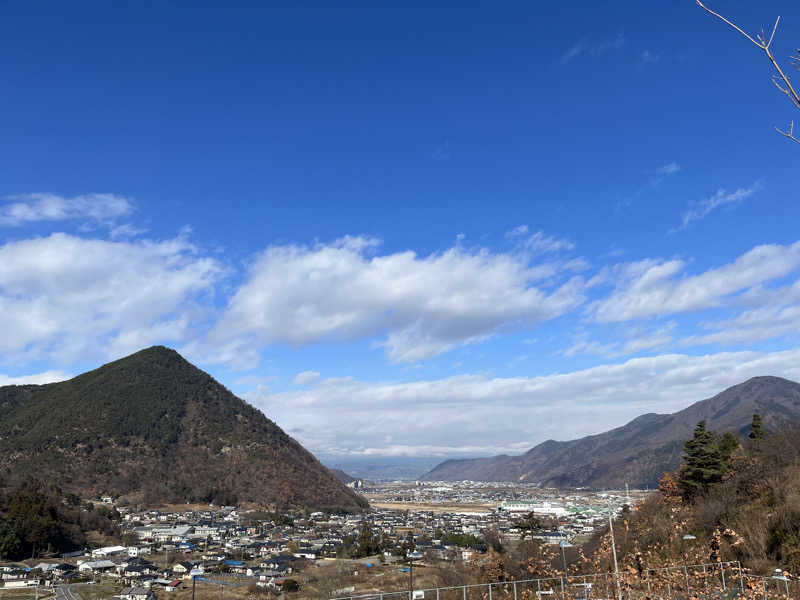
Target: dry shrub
754,516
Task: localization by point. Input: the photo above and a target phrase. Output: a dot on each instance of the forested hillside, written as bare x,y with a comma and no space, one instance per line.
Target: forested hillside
153,428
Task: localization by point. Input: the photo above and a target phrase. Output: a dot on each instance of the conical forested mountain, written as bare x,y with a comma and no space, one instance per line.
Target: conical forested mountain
154,428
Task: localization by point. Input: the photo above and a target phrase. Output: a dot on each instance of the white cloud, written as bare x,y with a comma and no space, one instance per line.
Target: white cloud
126,230
29,208
649,58
573,51
68,296
517,231
777,314
306,377
475,414
583,345
36,379
649,341
538,242
634,340
657,176
722,198
585,47
423,305
668,169
650,288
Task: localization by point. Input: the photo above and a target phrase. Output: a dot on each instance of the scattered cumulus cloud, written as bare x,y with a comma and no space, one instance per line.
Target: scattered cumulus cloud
424,305
36,379
434,417
68,296
65,296
654,288
777,314
30,208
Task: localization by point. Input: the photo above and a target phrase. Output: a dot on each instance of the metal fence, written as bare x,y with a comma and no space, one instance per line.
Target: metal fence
714,580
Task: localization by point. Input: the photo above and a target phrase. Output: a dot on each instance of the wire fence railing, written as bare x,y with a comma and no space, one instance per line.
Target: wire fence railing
705,581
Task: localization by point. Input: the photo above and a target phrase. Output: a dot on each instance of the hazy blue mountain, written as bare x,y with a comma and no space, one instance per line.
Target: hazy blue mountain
641,451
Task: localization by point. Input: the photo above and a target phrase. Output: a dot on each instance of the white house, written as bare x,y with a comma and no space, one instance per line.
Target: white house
22,583
134,551
96,566
182,567
109,551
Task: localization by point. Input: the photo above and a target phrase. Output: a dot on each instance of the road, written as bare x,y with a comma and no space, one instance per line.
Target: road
67,592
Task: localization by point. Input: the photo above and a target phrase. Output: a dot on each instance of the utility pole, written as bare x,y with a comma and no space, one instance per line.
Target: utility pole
411,557
411,579
564,545
614,551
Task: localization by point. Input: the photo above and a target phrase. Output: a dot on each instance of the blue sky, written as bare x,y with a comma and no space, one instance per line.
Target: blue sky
420,230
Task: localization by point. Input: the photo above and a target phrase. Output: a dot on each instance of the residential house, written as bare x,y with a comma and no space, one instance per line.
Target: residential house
182,568
137,593
96,566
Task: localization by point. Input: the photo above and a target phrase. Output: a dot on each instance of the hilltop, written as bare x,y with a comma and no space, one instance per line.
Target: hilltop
641,451
153,428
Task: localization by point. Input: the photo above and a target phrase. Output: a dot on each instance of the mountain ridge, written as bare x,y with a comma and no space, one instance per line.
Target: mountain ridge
638,452
152,427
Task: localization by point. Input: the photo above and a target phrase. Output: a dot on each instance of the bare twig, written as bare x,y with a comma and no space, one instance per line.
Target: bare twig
736,27
789,133
774,29
765,44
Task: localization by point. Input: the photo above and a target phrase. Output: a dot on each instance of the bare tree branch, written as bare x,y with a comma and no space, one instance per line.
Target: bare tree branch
765,44
737,28
789,133
774,29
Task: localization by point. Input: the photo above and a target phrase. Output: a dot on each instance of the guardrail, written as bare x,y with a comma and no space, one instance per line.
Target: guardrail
718,581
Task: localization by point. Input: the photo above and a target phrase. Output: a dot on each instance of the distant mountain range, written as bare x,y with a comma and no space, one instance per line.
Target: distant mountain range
637,453
153,428
382,468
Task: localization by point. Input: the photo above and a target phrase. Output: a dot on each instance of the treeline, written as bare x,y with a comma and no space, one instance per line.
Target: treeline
39,520
729,501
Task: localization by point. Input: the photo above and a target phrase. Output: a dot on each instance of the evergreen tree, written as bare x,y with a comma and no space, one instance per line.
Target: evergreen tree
757,429
728,443
703,463
366,541
530,524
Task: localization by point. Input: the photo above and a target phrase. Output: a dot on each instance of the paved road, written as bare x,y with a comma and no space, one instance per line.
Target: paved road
67,592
